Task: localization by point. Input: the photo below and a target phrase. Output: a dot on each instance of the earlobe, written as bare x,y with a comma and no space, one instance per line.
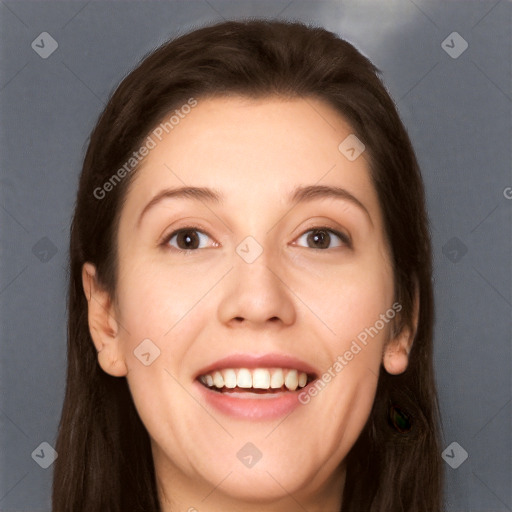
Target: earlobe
396,353
103,325
397,350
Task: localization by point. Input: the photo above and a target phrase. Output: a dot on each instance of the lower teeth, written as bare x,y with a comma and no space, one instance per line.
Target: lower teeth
249,390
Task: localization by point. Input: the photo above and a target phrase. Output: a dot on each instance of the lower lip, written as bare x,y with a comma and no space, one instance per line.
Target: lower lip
267,407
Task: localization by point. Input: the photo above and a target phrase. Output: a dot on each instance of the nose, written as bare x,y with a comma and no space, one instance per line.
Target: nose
255,294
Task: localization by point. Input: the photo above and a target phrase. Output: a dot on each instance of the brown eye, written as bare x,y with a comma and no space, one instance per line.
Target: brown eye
186,239
321,238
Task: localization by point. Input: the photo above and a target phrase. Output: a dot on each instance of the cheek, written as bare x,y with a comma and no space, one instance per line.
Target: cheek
159,319
355,303
347,298
154,300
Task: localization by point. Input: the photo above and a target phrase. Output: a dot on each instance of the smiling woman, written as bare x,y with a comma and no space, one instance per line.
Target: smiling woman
250,307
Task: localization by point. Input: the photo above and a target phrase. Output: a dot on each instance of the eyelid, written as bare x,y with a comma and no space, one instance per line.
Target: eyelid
322,223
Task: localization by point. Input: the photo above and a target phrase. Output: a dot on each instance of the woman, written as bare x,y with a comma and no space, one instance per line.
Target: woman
250,301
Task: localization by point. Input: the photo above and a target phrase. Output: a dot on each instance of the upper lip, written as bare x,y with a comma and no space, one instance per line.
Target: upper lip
259,361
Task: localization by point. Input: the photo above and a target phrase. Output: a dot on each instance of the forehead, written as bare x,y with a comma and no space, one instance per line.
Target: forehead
253,151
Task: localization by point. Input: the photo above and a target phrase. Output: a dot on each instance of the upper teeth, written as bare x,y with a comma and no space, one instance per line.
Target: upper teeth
257,378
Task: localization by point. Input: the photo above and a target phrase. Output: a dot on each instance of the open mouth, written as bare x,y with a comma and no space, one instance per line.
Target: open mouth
256,380
255,387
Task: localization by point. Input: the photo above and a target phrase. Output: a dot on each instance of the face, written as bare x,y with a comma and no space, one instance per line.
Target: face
251,318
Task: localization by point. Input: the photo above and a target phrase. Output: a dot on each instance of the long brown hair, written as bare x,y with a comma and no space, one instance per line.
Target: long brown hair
105,461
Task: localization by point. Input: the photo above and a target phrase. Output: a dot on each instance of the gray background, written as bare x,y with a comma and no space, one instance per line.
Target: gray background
457,111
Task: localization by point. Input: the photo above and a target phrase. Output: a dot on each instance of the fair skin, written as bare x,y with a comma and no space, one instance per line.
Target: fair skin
208,303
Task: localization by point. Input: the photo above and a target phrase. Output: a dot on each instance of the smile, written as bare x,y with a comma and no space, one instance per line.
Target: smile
256,379
255,387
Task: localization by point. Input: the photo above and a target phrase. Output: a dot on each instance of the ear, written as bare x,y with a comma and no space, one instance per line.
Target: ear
397,349
103,325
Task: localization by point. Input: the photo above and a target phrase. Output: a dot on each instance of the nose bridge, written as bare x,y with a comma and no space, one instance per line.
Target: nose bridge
256,292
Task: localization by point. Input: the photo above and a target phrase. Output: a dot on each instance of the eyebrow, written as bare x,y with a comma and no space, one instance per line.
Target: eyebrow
312,192
300,194
203,194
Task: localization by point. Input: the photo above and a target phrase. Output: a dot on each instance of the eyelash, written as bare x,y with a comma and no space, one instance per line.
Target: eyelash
345,239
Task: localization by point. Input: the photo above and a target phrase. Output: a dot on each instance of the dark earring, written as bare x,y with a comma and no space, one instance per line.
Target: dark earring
399,419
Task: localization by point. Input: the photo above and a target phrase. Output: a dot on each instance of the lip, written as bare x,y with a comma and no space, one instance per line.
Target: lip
266,407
